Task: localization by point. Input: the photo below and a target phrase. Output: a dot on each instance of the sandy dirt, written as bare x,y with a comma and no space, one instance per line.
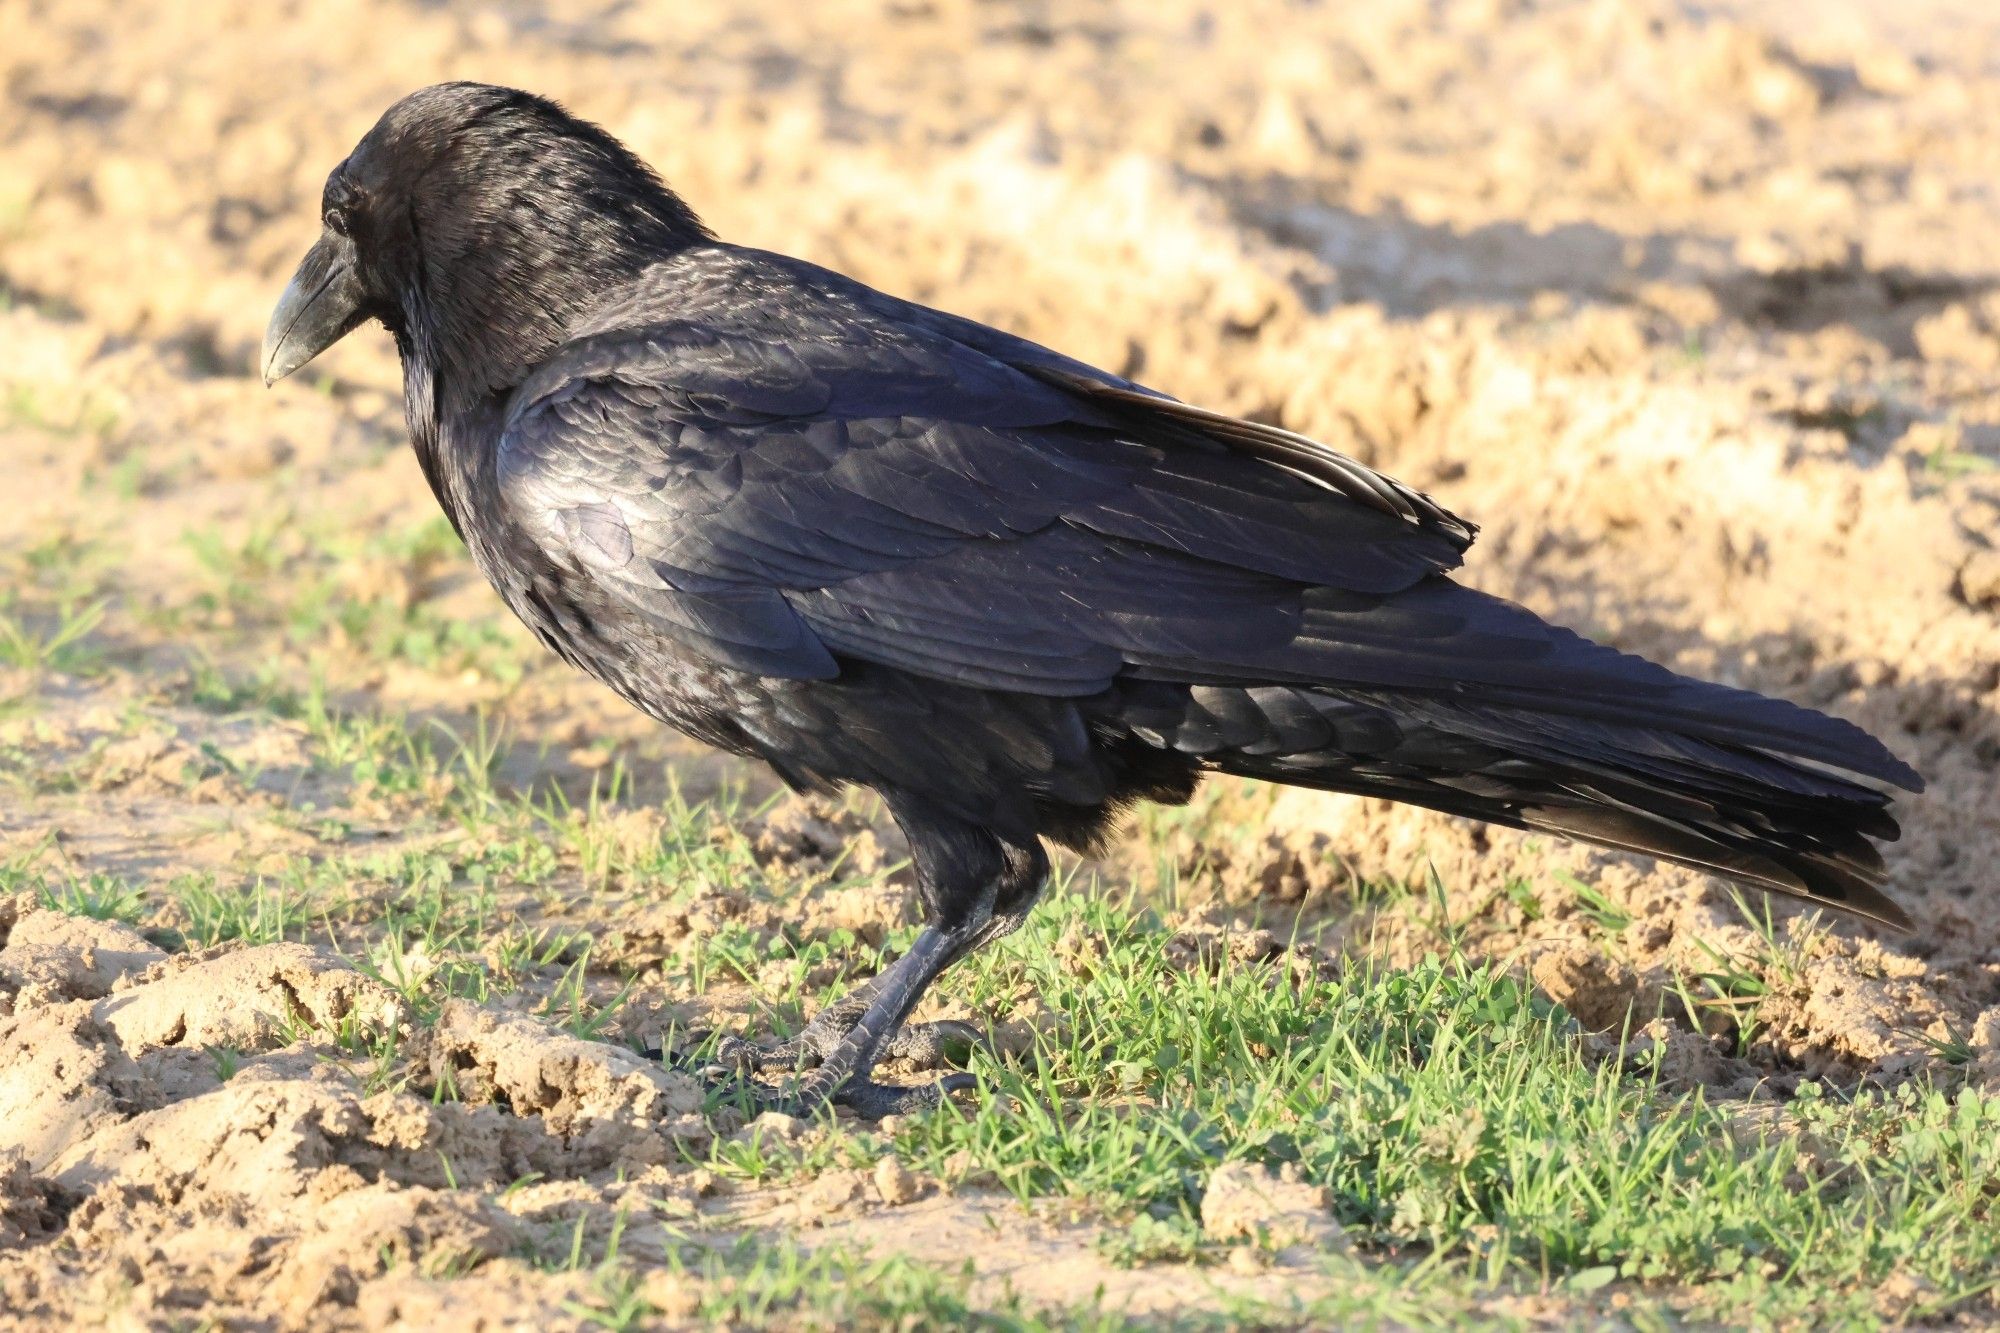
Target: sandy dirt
1696,309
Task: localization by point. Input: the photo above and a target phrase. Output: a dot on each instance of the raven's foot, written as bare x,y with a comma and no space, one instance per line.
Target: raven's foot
872,1101
920,1045
728,1074
851,1035
807,1097
868,1099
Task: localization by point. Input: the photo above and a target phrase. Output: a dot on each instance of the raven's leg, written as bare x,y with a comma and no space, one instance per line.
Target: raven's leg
1023,875
924,1045
975,887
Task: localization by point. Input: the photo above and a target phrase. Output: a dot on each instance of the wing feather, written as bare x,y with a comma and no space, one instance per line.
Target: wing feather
784,471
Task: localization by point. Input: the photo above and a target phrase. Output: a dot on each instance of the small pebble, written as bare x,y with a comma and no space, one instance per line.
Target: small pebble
831,1193
778,1125
671,1295
1245,1261
896,1183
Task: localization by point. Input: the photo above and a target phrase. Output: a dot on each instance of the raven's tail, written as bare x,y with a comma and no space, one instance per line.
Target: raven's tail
1446,697
1739,809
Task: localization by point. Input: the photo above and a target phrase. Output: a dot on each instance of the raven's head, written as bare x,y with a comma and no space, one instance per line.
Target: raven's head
475,222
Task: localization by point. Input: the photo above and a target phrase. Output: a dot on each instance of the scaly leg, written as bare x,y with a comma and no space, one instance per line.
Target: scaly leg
975,887
925,1045
843,1075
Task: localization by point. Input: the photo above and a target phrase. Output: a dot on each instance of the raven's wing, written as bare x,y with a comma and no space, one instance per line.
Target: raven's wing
777,482
798,471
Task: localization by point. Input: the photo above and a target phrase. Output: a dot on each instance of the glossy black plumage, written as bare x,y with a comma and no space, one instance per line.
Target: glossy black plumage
872,543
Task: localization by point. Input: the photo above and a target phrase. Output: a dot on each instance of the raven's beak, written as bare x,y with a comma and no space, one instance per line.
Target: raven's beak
321,306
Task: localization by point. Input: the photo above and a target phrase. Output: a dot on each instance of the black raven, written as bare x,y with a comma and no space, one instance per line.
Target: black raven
871,543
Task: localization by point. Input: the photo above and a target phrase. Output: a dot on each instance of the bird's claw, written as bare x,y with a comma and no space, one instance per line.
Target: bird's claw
686,1057
871,1101
868,1099
919,1045
735,1055
727,1073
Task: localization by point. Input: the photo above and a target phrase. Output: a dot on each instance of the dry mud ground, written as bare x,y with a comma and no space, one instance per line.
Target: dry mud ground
1695,309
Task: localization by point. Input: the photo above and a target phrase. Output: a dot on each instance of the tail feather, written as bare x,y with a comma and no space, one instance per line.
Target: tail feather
1841,880
1441,642
1504,656
1734,810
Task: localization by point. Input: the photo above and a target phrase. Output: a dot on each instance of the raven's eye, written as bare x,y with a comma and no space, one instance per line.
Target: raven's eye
336,220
